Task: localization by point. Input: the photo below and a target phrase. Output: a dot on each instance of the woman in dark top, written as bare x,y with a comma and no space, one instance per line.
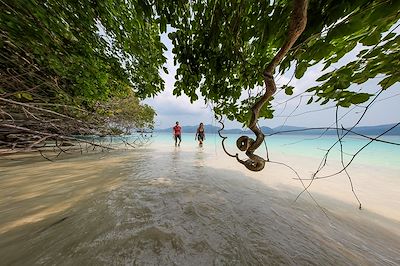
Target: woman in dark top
200,134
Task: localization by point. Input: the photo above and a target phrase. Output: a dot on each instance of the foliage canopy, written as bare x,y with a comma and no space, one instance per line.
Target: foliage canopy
223,47
88,53
93,49
229,51
67,67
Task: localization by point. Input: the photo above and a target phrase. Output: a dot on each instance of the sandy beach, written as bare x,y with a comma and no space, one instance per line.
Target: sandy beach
187,205
377,187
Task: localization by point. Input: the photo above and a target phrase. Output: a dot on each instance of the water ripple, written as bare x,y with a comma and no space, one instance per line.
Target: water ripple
170,208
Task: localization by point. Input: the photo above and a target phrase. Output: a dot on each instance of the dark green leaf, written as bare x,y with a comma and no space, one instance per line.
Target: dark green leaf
300,70
325,76
360,98
289,90
388,81
325,101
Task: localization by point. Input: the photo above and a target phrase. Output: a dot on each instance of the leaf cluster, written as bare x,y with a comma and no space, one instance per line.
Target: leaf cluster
127,114
80,53
352,25
223,47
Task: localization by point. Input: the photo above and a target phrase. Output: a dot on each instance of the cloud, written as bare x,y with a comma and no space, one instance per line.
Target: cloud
170,108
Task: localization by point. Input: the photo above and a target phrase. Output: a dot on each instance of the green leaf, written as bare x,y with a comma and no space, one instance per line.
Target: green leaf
300,70
327,64
388,81
342,84
289,90
266,112
371,39
360,78
344,104
163,24
325,76
325,101
389,36
310,100
26,96
312,89
360,98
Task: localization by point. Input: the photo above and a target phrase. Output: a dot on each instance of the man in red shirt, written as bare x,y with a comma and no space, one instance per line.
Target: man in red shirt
177,131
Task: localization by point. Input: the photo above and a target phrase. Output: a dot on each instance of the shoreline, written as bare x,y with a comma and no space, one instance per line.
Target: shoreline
150,196
374,185
379,196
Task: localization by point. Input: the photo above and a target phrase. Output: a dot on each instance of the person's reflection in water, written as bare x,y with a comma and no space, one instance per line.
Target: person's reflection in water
176,154
175,158
199,157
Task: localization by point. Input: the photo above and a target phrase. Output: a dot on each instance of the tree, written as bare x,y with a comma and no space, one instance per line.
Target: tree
61,62
85,53
226,49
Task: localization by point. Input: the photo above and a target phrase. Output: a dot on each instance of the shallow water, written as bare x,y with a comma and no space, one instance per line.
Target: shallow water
315,146
163,205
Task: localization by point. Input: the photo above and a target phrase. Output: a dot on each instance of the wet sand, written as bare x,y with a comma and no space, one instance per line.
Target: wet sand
163,205
378,188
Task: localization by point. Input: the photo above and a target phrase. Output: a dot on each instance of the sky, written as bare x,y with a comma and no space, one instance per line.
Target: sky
294,112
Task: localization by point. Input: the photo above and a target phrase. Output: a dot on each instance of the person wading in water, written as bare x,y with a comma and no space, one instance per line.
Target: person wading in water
200,134
177,131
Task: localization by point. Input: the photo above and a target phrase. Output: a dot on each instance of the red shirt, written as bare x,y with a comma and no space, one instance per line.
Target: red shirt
177,130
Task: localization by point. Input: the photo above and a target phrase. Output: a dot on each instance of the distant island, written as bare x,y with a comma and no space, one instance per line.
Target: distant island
294,130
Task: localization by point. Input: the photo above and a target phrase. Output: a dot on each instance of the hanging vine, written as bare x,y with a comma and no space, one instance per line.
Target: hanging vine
297,25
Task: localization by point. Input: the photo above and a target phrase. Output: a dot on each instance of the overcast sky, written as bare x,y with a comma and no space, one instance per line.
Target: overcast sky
170,108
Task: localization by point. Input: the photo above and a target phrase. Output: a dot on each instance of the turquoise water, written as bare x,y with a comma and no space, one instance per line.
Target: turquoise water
376,153
162,205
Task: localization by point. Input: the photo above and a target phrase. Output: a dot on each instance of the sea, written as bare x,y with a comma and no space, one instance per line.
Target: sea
149,202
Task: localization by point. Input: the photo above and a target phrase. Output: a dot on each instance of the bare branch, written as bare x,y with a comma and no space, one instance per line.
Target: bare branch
38,108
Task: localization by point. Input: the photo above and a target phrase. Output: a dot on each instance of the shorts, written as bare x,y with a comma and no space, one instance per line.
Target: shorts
178,137
200,137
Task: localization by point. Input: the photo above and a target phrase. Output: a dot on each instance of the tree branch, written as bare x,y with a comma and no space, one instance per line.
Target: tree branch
38,108
297,25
